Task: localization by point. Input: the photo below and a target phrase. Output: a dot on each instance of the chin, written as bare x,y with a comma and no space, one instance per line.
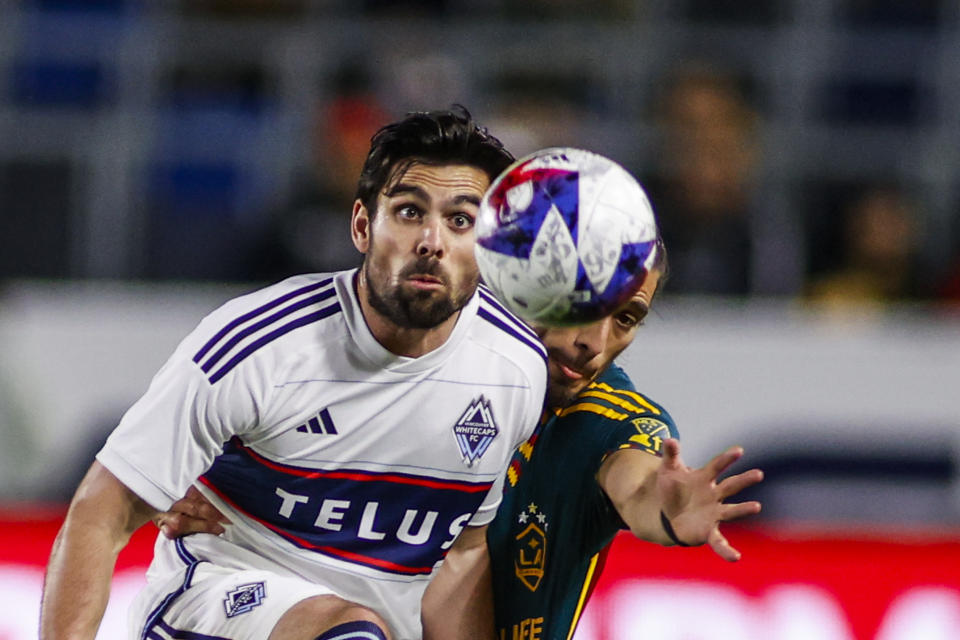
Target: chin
560,397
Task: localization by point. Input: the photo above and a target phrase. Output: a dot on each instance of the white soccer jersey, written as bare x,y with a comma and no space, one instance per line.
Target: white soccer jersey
336,460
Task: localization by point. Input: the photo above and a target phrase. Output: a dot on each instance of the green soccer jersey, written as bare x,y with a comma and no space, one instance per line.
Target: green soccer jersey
555,524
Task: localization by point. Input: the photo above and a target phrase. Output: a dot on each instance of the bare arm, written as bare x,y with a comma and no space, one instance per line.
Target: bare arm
458,603
642,486
102,517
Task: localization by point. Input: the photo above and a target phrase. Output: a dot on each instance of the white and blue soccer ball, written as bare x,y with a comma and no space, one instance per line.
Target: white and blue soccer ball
565,236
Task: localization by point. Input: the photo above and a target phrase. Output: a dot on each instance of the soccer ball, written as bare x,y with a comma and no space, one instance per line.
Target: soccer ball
564,237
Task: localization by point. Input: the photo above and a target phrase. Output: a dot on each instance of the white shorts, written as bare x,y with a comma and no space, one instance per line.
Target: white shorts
216,603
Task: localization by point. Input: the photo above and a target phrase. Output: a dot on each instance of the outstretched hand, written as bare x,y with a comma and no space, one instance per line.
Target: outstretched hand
693,499
192,513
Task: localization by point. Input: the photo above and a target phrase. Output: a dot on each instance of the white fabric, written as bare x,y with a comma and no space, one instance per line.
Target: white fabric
220,602
336,460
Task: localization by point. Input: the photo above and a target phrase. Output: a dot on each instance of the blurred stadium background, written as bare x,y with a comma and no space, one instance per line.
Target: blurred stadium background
158,157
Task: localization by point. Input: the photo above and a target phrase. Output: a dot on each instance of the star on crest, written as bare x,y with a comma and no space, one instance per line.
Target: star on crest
523,517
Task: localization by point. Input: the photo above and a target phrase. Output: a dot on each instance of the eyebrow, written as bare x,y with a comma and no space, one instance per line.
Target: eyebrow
474,200
638,307
419,192
407,188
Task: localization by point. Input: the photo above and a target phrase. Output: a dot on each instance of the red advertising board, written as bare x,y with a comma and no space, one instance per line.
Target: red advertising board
792,583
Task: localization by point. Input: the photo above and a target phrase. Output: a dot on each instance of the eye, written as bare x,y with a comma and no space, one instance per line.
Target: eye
628,320
408,212
461,221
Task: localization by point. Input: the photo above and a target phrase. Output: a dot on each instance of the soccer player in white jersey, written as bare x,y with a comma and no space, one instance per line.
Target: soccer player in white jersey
351,426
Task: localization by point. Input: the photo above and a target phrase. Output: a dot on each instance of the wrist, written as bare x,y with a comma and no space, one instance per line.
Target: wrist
668,529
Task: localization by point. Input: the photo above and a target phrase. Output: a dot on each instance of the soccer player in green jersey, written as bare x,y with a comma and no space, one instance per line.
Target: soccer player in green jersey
605,458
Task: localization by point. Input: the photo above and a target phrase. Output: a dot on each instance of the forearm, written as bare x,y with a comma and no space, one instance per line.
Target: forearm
458,603
640,511
629,478
77,585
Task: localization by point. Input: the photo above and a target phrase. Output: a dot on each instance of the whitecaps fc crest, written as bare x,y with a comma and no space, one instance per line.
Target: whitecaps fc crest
243,598
475,430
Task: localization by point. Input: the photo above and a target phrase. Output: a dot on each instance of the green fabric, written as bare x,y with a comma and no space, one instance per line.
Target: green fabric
555,517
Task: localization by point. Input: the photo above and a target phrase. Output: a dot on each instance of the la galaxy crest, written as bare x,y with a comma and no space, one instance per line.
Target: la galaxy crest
531,548
475,430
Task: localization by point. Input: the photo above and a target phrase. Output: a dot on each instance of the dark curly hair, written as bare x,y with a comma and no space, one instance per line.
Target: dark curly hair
442,137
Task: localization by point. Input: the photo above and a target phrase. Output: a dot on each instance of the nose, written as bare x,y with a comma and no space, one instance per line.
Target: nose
591,339
430,242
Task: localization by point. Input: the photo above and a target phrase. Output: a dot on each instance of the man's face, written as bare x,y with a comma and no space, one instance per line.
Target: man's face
419,265
577,355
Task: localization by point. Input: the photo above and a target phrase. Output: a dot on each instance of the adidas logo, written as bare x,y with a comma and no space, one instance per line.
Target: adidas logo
321,423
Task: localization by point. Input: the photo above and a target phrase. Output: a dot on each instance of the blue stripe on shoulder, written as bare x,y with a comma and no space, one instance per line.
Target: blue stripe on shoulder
270,337
487,296
502,325
265,322
256,312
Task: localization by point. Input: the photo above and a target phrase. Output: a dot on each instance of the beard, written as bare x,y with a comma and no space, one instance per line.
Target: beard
416,309
559,396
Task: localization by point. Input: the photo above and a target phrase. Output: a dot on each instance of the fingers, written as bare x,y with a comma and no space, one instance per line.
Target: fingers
671,453
168,524
186,506
174,525
722,461
739,510
195,505
721,546
207,511
735,484
190,504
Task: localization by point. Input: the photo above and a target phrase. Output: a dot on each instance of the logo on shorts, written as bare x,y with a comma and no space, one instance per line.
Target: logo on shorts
475,430
243,598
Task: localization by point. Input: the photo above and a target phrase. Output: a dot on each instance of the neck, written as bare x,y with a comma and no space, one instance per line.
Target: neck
401,341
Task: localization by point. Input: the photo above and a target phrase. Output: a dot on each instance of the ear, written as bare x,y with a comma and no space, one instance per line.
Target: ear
360,227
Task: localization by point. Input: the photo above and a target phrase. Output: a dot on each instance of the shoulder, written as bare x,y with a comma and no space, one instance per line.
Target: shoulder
505,333
613,400
260,320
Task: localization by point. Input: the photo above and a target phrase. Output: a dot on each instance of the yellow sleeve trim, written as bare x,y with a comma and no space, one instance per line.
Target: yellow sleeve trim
633,395
592,407
526,450
584,592
620,402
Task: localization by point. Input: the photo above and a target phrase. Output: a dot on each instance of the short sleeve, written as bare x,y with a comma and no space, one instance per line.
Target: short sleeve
172,434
